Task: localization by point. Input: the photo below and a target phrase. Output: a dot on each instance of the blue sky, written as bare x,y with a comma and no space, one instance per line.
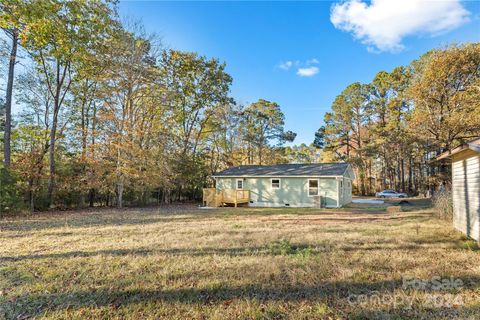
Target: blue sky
267,46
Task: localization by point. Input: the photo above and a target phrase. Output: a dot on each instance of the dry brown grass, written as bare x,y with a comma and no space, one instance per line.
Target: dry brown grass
233,263
443,204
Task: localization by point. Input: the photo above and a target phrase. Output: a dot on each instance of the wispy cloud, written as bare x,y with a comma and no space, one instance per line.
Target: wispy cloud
304,68
382,24
285,65
307,72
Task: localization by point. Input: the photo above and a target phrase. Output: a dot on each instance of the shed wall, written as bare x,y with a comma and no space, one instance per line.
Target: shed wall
466,193
347,191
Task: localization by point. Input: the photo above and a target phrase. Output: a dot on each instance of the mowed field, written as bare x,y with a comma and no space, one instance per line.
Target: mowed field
179,262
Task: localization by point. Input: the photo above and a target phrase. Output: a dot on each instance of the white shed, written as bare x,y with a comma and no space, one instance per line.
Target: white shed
466,187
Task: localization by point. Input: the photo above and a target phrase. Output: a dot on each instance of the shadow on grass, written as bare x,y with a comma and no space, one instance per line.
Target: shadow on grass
240,251
314,249
352,218
31,305
131,217
92,221
427,311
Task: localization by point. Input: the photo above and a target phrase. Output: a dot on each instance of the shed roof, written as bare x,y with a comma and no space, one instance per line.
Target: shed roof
282,170
471,145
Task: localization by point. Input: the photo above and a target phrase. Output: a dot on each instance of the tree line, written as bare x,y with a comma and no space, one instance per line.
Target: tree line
392,129
108,116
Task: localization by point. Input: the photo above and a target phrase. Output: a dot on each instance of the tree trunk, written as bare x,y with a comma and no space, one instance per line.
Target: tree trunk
370,187
250,153
415,180
120,195
260,151
398,183
30,194
120,187
57,101
348,147
84,132
94,123
384,171
91,197
410,173
403,174
8,99
362,180
51,158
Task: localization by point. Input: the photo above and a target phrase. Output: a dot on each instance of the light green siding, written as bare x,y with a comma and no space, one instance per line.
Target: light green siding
347,191
225,183
328,191
293,191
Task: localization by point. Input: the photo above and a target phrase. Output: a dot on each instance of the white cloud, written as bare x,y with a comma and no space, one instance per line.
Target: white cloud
305,68
307,72
383,24
285,65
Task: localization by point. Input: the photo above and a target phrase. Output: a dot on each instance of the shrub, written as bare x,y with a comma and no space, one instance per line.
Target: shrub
10,198
443,204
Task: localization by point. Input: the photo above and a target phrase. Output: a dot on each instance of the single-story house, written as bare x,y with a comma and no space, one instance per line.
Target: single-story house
466,187
290,185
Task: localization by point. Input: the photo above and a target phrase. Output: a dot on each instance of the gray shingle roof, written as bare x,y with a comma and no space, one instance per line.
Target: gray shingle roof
279,170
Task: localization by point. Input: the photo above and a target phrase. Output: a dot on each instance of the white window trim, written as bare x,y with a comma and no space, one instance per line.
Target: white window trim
308,187
279,183
236,184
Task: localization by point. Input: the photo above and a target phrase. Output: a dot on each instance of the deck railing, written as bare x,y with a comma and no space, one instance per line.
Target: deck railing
216,198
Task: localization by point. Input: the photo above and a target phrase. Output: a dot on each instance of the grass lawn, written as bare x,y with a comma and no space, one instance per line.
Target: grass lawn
185,263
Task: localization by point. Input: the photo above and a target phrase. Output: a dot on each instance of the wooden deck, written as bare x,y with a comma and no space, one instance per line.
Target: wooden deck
218,198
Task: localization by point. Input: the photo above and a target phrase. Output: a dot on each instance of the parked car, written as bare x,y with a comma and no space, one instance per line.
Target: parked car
390,194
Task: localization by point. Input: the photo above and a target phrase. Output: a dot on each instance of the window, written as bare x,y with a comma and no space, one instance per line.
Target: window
240,184
275,183
313,188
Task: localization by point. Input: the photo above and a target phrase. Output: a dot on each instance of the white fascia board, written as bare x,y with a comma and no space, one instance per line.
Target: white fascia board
474,147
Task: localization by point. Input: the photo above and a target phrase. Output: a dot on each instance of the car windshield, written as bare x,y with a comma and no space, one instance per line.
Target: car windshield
388,191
